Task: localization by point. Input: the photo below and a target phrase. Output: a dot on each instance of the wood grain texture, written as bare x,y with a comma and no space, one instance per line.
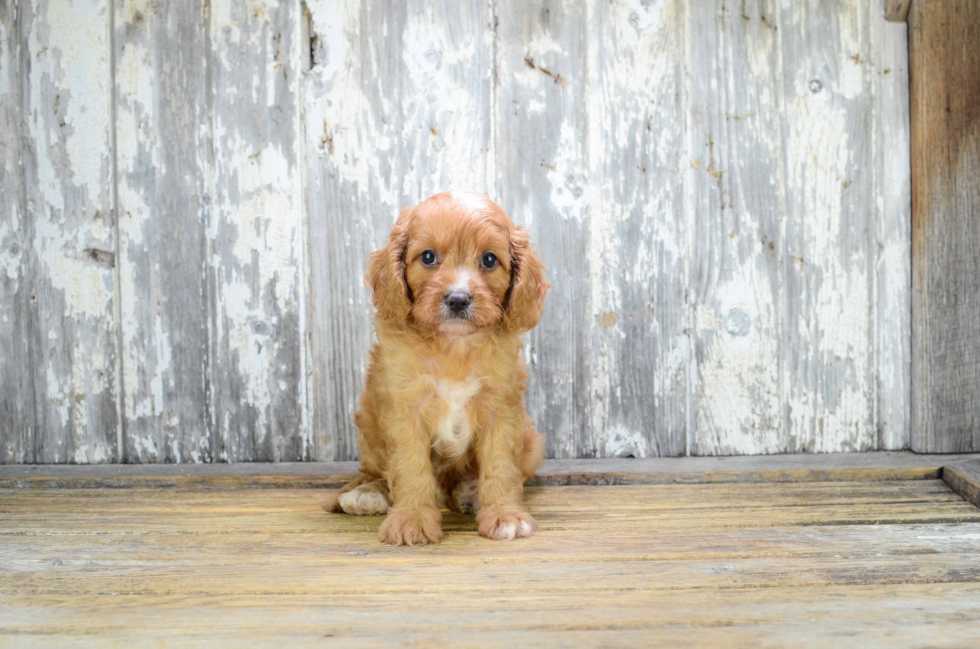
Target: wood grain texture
541,178
735,201
68,180
638,347
257,260
17,414
799,277
823,467
397,109
893,256
164,152
826,59
945,101
777,615
964,479
877,563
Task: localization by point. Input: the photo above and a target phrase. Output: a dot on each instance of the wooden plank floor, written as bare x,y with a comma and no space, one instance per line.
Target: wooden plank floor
780,564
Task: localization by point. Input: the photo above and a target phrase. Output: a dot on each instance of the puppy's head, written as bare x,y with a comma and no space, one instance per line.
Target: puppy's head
456,264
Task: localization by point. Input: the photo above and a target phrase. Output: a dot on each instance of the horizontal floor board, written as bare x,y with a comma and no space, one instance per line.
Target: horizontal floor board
357,614
892,465
585,545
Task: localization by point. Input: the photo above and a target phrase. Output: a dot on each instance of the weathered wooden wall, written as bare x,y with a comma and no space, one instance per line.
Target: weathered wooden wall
944,49
190,190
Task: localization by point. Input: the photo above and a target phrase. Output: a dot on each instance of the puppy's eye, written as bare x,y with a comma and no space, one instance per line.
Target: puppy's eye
489,261
428,258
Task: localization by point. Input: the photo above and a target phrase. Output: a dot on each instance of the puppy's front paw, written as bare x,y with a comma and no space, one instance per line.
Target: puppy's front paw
418,527
505,526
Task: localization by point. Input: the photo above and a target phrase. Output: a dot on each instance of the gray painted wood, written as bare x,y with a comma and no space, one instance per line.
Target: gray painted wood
945,93
736,212
541,161
66,58
637,235
17,367
826,58
397,108
165,162
720,191
256,234
893,264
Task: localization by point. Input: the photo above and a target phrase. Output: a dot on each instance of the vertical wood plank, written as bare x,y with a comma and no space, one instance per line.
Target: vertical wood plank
542,167
735,211
257,234
893,201
636,235
68,175
829,250
164,159
397,108
945,92
17,367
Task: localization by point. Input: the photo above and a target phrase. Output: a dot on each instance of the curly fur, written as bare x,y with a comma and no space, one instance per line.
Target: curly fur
443,401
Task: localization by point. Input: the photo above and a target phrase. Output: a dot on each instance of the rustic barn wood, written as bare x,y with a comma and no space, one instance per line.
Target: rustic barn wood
66,217
540,149
882,563
637,232
164,140
17,414
893,258
964,479
721,194
737,208
828,72
803,467
945,101
256,235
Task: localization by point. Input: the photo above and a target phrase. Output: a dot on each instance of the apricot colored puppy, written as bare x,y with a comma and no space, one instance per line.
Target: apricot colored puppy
441,419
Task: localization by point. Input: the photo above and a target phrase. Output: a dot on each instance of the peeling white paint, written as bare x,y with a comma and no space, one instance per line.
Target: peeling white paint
590,134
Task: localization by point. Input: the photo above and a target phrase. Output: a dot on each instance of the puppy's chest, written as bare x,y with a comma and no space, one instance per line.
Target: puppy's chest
454,432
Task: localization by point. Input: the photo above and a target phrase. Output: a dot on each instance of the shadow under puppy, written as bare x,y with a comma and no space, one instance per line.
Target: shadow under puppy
442,421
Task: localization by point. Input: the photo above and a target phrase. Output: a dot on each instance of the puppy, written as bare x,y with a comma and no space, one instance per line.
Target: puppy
441,420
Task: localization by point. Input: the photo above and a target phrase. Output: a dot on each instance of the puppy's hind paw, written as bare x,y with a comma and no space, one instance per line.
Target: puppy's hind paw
506,526
466,496
363,501
419,527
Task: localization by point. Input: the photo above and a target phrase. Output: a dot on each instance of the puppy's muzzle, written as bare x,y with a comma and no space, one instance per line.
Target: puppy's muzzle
457,302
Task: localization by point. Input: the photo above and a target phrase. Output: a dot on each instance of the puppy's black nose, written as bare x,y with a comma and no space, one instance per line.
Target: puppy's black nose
457,301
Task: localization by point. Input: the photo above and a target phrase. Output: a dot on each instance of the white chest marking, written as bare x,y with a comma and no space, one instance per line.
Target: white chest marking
453,433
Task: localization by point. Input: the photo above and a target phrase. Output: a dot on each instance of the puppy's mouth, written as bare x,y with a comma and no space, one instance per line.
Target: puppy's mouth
456,324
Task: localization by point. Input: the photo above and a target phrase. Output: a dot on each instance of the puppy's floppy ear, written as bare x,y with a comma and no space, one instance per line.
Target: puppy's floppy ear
525,297
385,274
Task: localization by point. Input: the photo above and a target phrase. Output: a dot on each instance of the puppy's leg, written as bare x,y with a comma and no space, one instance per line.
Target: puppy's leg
501,515
371,445
533,453
413,518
